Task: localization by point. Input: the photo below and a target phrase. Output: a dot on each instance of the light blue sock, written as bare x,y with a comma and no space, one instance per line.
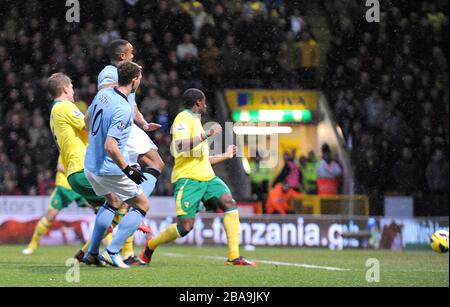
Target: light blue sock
152,177
103,220
125,229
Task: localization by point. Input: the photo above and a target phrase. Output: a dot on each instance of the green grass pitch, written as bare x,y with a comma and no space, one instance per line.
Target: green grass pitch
203,267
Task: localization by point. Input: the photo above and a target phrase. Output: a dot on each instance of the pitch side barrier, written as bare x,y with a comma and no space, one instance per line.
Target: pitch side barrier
19,215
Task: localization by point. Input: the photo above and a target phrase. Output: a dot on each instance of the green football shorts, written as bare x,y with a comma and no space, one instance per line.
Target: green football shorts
61,198
190,193
82,186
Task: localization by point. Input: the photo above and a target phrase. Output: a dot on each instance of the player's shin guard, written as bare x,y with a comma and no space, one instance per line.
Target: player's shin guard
152,177
104,219
42,228
170,234
125,229
232,227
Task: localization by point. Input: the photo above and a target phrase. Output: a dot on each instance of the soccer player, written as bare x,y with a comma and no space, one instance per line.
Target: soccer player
107,164
61,198
68,127
194,180
140,147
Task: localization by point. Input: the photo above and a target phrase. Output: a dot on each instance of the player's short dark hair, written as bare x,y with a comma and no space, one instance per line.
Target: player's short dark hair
116,48
127,72
56,83
191,96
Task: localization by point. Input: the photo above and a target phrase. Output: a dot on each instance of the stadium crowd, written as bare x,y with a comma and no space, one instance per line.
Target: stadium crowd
387,82
389,86
179,44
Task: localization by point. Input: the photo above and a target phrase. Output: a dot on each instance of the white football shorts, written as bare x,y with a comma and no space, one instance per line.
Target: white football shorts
122,186
138,143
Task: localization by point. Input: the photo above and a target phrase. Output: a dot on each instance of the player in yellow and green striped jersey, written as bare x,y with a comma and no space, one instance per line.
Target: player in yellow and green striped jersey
195,181
61,198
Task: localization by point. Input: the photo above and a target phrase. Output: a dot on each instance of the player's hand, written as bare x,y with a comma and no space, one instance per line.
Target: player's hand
149,127
134,174
231,151
214,130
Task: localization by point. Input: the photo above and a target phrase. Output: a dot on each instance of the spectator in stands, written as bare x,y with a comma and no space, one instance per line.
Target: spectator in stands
151,102
46,182
38,130
375,110
290,174
230,60
255,7
9,187
187,48
7,168
209,59
109,34
288,60
260,178
279,199
437,178
26,178
297,22
368,174
329,173
309,60
199,18
405,173
308,169
404,61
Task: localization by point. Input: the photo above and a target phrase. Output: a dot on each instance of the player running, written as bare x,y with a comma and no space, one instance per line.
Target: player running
107,164
61,198
195,181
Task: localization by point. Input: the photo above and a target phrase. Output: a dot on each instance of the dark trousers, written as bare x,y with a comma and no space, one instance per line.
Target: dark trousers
260,189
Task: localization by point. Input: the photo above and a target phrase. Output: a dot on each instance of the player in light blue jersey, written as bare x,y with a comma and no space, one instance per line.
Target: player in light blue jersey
111,116
140,147
107,164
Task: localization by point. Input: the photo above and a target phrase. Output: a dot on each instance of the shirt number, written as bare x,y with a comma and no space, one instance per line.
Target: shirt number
96,121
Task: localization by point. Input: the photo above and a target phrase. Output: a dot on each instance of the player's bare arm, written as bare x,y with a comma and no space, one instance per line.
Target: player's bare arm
138,117
142,123
113,151
189,144
229,154
87,119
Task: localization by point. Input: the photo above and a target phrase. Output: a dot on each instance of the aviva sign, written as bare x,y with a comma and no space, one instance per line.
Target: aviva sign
253,100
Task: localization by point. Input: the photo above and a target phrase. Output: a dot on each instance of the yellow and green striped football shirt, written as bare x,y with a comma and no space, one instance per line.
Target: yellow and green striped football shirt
67,125
193,164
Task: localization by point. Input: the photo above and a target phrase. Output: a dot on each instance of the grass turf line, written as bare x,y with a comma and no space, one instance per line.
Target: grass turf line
202,267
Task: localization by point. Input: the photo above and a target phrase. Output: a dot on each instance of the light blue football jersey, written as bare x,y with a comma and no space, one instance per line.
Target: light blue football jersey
110,115
109,76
